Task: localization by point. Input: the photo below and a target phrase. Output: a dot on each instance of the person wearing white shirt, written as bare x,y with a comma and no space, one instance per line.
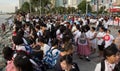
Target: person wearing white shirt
76,35
44,47
10,22
28,17
92,37
97,23
100,36
39,32
108,38
106,23
111,56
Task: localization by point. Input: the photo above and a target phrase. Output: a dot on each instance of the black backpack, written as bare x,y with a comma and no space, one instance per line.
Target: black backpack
117,67
75,67
102,65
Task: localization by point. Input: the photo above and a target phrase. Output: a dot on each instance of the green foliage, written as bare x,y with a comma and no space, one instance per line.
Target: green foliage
63,10
71,10
25,7
40,4
89,8
60,10
101,10
35,4
82,7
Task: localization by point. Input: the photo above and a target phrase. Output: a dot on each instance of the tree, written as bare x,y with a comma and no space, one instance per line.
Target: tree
25,7
82,6
40,4
102,9
71,10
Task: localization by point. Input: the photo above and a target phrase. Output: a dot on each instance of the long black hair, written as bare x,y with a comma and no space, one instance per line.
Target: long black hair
22,62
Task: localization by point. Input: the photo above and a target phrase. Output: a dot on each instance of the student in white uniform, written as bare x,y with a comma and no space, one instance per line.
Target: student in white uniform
108,38
106,23
100,36
39,32
76,33
44,47
92,38
111,56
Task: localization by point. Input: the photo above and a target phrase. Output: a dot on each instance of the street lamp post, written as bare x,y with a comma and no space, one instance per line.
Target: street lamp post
97,6
87,2
103,8
86,7
64,2
30,6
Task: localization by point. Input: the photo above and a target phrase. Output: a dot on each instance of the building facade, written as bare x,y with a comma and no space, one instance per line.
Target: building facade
53,3
67,3
59,3
117,3
100,3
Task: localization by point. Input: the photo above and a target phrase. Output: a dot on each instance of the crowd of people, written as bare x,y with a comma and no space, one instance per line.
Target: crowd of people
40,43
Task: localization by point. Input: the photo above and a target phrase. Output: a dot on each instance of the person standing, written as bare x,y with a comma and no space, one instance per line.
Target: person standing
83,49
108,38
3,27
111,56
117,40
100,36
92,38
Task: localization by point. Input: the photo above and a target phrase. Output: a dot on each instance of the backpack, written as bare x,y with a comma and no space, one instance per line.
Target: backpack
82,39
117,67
74,67
28,49
102,65
39,36
40,65
49,59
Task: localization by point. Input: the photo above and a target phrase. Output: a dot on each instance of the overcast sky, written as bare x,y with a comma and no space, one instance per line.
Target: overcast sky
8,5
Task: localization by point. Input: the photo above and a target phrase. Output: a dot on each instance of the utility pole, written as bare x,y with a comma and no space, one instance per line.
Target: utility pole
64,2
86,7
40,7
30,6
97,6
87,2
